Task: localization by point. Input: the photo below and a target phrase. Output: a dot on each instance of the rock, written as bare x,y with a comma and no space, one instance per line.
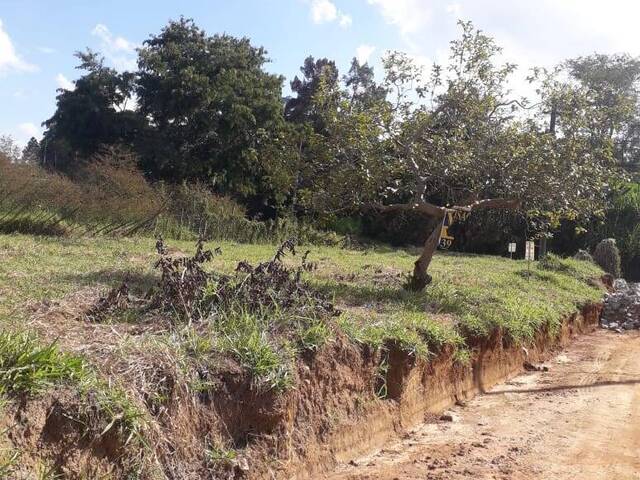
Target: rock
622,307
535,368
243,465
449,417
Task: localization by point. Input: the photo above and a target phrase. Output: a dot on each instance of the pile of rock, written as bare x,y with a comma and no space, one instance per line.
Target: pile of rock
622,307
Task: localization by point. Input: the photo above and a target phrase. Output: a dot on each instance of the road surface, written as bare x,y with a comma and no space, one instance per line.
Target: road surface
580,420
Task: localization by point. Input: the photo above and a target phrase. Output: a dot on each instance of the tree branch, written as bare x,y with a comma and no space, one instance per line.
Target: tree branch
503,203
428,208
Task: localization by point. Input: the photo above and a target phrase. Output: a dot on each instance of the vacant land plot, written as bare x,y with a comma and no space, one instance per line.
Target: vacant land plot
128,372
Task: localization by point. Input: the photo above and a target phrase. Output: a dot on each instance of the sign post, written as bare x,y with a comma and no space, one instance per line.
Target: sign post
529,255
512,250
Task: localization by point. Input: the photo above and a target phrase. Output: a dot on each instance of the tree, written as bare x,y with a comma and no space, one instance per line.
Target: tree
9,149
212,109
318,76
610,84
363,90
452,143
92,115
31,153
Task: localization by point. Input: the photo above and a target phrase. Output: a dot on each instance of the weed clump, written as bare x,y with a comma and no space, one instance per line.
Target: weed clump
554,263
28,367
583,255
183,279
262,315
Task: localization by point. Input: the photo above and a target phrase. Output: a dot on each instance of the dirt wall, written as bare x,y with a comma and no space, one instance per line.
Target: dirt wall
334,417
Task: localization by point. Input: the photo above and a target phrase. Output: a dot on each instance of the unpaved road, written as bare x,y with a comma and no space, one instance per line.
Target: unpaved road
580,420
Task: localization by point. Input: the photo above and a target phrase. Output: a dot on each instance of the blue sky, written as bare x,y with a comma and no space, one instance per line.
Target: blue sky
38,37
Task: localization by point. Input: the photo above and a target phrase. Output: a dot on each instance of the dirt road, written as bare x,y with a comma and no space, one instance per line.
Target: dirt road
579,420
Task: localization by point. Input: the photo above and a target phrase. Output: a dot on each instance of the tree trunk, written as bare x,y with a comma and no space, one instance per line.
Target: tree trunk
420,278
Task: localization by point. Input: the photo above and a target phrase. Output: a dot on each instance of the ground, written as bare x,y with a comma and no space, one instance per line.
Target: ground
163,393
578,421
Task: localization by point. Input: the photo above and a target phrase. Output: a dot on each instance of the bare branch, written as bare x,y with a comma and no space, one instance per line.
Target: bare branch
503,203
428,208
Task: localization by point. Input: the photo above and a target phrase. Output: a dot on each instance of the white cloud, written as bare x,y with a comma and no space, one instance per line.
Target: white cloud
345,21
28,130
454,9
325,11
64,83
10,61
47,50
532,33
118,50
408,15
363,53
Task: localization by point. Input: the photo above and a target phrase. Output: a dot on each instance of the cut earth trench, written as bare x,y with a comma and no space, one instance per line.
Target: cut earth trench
332,417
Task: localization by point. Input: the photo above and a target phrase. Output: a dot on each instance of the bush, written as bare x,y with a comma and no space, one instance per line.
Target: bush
607,256
28,367
553,263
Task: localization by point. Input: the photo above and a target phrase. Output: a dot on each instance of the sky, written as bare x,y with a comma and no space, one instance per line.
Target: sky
38,37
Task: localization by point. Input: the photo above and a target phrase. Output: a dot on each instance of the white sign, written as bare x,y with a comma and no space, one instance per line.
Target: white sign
512,248
530,251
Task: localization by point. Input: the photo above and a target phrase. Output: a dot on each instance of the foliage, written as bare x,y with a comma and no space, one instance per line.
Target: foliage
27,367
9,149
214,109
611,87
554,263
583,255
273,285
32,153
93,115
109,195
183,280
607,255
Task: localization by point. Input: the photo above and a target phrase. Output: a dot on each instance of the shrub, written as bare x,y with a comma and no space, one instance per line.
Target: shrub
607,256
108,196
194,211
554,263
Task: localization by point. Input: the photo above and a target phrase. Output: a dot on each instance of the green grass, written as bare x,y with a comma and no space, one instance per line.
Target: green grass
28,367
470,296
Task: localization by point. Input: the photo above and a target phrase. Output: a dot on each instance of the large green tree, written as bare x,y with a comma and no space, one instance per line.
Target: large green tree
213,110
94,114
319,78
452,142
610,87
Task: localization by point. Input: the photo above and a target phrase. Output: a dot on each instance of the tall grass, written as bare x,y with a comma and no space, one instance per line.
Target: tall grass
110,196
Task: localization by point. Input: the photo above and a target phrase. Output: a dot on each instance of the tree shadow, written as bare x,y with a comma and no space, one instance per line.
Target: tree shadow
604,383
139,282
365,294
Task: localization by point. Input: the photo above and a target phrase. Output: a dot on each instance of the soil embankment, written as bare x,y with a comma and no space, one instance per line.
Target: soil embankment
418,392
580,420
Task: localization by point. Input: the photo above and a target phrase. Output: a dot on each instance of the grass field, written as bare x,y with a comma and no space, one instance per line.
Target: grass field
117,365
472,294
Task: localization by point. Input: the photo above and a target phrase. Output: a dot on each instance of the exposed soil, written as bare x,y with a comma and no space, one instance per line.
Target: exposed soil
332,416
578,420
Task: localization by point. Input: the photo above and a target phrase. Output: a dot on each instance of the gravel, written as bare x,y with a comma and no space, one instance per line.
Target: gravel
622,307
